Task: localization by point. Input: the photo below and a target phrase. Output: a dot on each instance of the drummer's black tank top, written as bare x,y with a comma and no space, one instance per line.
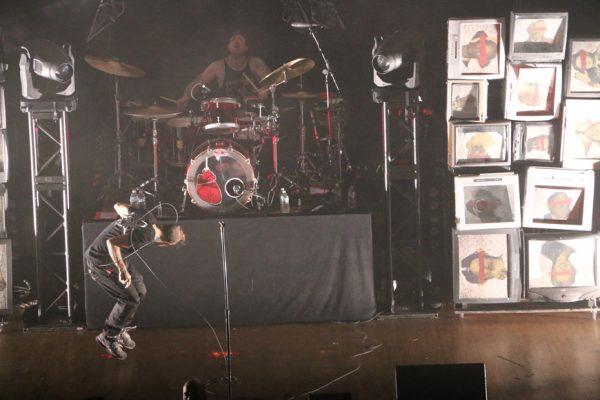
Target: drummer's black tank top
234,83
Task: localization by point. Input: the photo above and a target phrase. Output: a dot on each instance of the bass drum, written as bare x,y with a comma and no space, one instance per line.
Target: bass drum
220,177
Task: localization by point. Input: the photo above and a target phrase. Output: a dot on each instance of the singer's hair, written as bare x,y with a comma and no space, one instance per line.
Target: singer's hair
173,234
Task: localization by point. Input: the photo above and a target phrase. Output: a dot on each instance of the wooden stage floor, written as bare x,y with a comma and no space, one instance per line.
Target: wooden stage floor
543,356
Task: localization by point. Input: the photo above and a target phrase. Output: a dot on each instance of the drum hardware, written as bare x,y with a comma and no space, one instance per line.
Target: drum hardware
155,113
303,158
117,69
220,115
204,90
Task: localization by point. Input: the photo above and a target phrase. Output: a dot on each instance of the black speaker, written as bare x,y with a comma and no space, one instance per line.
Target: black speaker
441,381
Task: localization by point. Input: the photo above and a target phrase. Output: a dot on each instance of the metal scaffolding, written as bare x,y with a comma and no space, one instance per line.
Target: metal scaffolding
49,154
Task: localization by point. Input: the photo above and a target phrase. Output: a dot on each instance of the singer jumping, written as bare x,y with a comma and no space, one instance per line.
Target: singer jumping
110,264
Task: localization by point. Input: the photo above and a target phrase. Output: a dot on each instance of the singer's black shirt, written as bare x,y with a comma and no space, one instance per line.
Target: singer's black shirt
97,252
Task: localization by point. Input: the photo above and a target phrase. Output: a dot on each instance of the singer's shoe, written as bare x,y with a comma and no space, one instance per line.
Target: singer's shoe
125,340
112,346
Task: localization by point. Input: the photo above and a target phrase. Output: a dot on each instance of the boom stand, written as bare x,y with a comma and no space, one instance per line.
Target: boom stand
227,312
49,175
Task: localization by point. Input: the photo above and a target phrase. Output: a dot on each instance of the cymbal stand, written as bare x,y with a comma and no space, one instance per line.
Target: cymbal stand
155,164
119,162
277,176
328,73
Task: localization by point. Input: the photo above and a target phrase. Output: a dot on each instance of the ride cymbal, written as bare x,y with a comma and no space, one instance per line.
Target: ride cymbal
154,111
114,67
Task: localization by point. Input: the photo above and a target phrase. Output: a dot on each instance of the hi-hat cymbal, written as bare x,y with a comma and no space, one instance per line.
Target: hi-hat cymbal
184,122
154,112
114,67
301,95
286,72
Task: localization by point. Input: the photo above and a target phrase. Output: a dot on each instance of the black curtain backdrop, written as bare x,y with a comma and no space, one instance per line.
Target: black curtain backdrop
281,269
174,40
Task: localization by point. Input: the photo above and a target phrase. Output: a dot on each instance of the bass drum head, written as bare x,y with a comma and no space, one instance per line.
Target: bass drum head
220,177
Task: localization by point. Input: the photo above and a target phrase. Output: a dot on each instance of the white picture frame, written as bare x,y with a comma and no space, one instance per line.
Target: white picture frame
583,68
466,100
561,267
486,266
558,198
538,36
535,142
479,144
476,49
487,201
533,91
580,144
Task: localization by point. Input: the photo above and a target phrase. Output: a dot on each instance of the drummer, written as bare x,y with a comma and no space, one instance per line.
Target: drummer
229,73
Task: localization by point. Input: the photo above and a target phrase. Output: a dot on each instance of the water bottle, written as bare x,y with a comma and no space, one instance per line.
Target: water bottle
337,194
351,198
284,202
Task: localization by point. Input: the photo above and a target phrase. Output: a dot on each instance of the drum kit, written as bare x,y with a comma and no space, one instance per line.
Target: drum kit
220,145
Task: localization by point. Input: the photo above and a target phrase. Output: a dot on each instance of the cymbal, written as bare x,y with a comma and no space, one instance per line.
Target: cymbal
114,67
289,70
184,122
301,95
154,112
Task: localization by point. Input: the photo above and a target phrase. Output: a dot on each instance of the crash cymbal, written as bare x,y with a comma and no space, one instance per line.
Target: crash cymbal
287,72
114,67
154,112
301,95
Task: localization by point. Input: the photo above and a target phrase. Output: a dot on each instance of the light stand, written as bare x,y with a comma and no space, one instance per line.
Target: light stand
227,311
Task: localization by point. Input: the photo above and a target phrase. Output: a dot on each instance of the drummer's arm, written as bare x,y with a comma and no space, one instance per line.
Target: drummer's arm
260,70
206,77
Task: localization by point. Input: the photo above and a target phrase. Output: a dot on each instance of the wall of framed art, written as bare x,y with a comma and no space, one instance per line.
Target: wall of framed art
524,187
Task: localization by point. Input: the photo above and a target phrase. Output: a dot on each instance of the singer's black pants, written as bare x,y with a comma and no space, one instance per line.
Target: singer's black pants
128,299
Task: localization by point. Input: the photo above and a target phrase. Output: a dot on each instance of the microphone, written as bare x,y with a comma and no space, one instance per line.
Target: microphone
306,25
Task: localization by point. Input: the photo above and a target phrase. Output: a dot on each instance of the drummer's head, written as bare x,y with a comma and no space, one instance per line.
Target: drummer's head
237,43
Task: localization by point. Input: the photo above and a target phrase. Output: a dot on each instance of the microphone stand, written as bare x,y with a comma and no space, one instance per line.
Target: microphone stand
227,311
328,73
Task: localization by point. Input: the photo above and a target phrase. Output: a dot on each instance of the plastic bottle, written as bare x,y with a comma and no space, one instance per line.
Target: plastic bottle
284,201
337,194
351,197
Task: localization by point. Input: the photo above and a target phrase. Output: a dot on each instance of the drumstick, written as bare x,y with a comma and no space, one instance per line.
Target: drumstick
250,82
168,99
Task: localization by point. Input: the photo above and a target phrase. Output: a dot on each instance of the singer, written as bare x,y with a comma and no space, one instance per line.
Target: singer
109,261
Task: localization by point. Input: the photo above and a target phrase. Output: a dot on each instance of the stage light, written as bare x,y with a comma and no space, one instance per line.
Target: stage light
46,70
396,60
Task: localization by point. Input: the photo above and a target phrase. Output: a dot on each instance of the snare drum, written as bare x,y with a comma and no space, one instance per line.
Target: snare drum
220,115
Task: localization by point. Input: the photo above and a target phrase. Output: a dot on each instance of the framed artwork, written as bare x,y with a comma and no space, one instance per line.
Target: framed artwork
581,133
479,145
487,201
466,100
557,198
476,49
3,209
5,277
583,68
538,37
3,157
562,267
533,91
486,266
535,141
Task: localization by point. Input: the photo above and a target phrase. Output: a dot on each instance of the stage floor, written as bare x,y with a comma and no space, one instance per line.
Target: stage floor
549,356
